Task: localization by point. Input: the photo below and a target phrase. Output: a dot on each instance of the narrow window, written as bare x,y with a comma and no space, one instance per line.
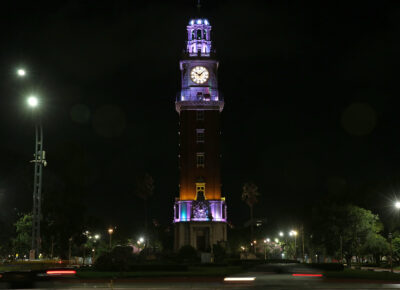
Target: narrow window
199,135
199,34
200,160
199,115
200,191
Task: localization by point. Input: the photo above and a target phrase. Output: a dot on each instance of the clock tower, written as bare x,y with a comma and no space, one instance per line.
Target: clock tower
200,211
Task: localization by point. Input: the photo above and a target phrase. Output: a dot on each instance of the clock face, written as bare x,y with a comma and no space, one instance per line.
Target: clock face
199,74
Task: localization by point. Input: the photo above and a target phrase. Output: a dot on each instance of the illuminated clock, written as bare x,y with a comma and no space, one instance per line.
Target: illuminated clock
199,74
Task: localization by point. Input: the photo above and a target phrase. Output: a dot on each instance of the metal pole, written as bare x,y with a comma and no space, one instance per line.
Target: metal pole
69,250
295,247
302,243
341,249
37,189
110,241
391,254
265,251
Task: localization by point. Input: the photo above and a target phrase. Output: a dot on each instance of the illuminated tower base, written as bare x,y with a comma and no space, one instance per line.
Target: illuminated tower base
200,224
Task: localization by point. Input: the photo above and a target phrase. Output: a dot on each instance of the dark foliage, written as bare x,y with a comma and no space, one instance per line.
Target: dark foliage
327,266
219,253
120,259
188,254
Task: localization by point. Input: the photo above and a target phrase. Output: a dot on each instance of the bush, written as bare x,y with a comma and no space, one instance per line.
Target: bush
219,253
188,254
119,259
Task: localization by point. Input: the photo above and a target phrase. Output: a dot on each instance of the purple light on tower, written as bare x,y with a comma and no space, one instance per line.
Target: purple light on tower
199,40
185,211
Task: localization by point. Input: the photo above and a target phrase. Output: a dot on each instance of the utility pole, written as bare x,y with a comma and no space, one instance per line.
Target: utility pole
341,249
69,249
39,161
302,243
391,252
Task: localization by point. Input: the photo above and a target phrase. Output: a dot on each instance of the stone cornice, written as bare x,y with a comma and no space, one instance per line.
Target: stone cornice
199,105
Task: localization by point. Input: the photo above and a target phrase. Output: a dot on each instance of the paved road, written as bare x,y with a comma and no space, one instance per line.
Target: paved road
277,277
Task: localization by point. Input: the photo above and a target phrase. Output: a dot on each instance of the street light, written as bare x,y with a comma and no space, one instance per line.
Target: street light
390,237
281,234
39,161
21,72
110,232
294,233
265,248
32,101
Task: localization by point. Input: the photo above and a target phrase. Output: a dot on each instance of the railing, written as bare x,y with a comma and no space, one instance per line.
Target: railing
197,97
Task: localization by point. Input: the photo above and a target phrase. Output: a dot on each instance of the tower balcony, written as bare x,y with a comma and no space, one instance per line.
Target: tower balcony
190,100
200,211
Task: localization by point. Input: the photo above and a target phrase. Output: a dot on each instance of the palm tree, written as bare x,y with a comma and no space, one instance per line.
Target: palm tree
249,196
144,190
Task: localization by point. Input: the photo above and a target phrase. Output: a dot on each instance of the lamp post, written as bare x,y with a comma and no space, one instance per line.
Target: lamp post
294,234
110,232
39,161
391,252
69,249
96,237
267,240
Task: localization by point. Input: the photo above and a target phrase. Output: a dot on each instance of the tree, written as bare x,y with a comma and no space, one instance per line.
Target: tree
343,230
23,239
144,190
249,196
376,246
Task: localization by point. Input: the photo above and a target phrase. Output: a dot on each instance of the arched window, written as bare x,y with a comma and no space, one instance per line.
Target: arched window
205,34
199,34
193,36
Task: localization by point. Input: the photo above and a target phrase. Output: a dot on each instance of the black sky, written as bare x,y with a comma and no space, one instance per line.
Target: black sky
310,88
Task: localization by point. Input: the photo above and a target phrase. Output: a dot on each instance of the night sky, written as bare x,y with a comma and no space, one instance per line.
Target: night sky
311,102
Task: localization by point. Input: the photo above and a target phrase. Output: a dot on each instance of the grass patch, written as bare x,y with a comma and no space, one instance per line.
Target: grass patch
192,272
29,265
361,274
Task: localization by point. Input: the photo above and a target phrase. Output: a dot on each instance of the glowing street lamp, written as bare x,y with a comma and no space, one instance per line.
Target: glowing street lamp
21,72
276,240
281,234
32,101
294,233
110,232
397,204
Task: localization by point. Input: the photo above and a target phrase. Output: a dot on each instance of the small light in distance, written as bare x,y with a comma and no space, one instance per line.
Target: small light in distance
235,279
60,272
307,275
